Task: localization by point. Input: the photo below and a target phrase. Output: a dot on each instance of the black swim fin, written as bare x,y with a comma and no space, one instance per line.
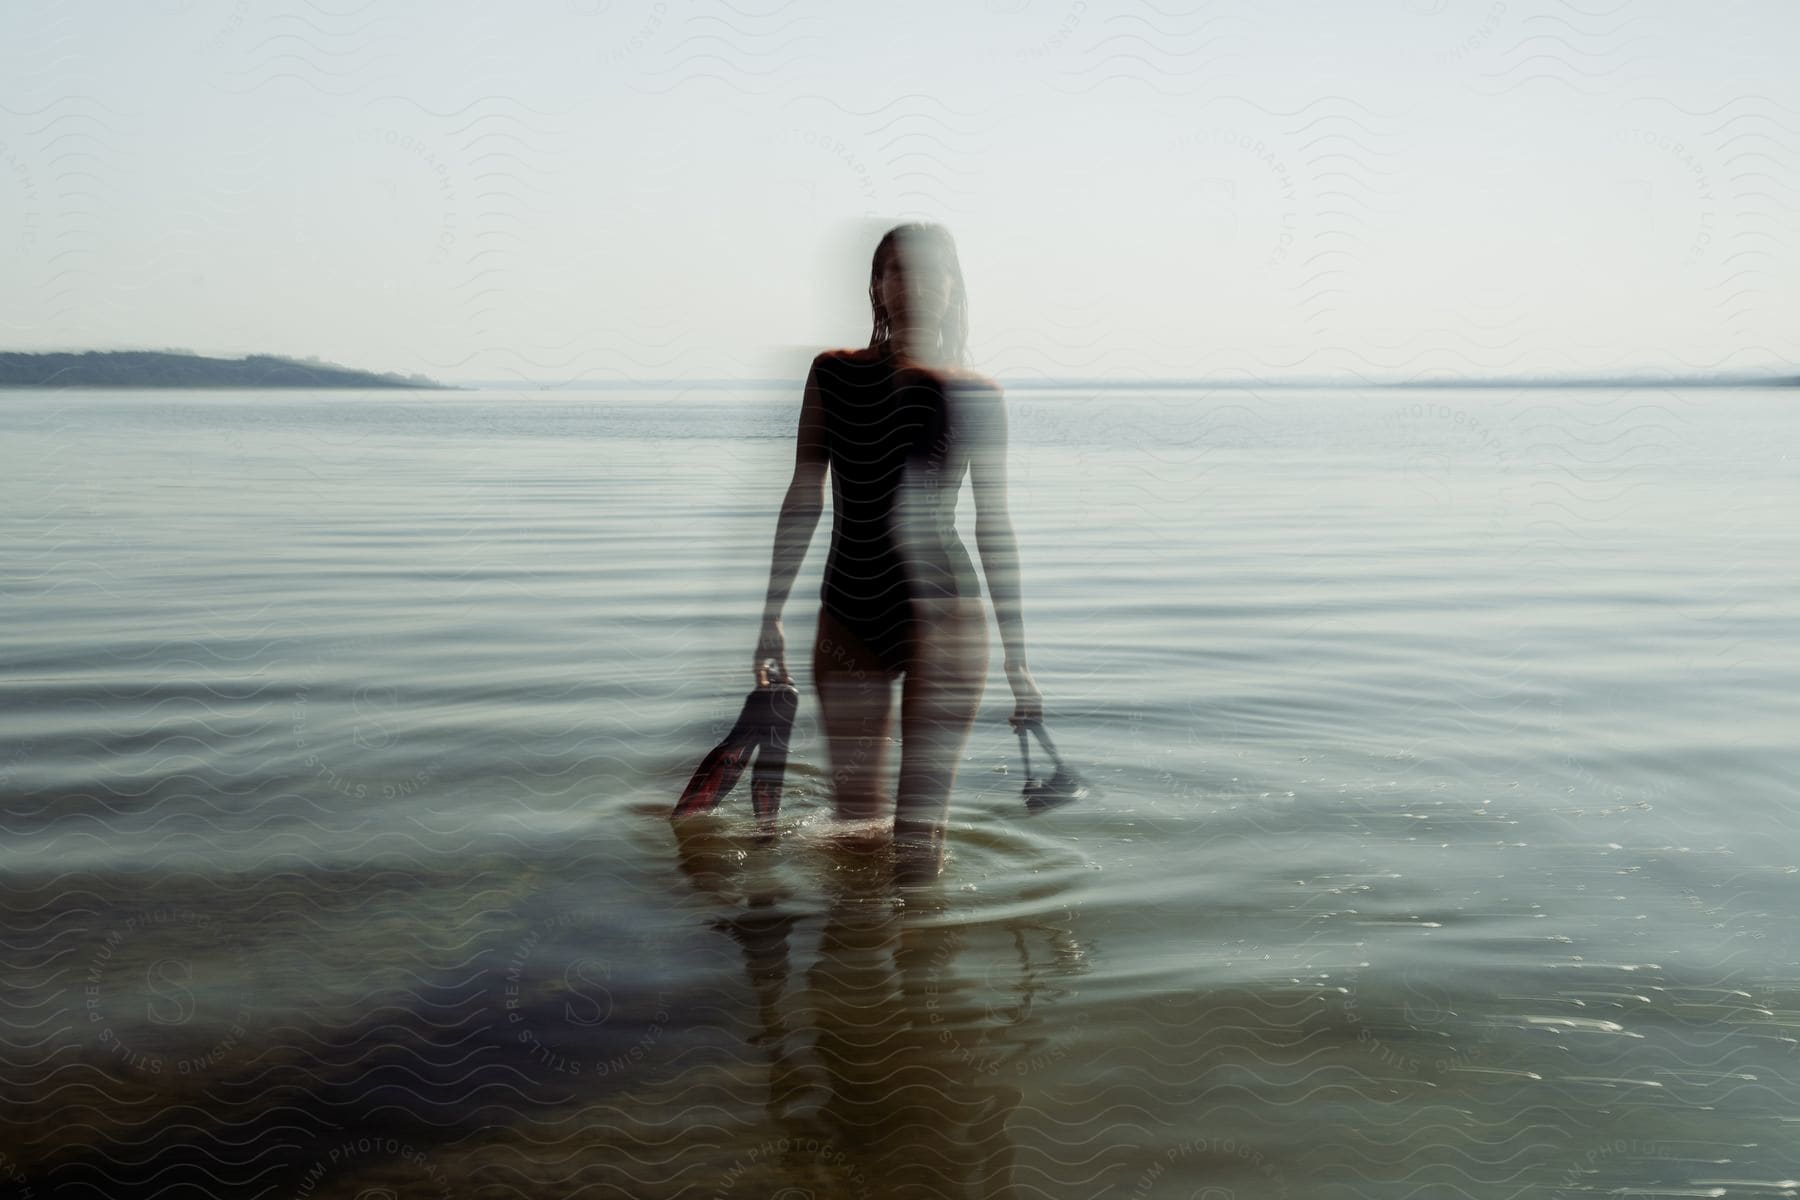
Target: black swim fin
763,729
1065,785
782,701
718,772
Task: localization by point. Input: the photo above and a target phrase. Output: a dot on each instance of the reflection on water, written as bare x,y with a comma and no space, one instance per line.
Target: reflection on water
890,1068
1442,840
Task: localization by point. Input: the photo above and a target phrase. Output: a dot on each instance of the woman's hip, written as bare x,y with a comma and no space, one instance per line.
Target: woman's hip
950,637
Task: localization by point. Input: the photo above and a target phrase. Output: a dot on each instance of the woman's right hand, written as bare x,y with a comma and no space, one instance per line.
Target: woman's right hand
771,645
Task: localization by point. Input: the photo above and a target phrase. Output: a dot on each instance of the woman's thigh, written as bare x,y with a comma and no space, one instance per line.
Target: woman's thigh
945,680
856,702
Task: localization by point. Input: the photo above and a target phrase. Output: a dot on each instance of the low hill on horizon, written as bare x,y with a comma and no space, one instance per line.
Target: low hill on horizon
166,368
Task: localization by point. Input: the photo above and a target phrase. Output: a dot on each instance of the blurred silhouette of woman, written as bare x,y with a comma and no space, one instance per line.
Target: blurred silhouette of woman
899,424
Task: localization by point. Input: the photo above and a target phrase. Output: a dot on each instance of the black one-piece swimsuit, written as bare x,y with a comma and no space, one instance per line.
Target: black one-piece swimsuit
899,443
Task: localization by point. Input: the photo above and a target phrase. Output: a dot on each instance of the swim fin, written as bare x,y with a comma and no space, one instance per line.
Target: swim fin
782,700
718,772
763,729
1064,786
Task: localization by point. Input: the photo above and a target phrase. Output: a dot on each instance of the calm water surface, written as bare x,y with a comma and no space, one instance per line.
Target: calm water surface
1447,844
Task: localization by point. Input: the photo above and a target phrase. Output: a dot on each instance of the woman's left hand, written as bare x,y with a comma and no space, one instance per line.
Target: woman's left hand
1028,702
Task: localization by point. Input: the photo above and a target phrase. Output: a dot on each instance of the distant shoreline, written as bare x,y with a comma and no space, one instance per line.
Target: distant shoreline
155,369
160,370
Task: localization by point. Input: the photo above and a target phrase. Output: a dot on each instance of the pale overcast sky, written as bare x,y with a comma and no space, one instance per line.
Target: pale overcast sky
600,189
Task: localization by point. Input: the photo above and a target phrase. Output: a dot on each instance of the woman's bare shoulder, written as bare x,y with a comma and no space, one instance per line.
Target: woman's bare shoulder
861,355
960,378
973,380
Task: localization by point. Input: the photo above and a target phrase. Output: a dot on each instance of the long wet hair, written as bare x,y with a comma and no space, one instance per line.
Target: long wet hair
932,242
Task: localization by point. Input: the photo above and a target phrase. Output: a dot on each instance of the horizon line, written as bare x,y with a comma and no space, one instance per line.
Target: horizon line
1643,377
1053,383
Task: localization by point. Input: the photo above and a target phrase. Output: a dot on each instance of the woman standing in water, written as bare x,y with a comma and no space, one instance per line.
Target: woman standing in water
899,424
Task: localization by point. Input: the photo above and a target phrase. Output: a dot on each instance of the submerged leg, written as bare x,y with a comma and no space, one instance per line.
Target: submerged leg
856,701
944,683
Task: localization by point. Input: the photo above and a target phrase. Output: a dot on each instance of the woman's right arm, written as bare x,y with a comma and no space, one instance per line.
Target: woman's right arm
800,512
